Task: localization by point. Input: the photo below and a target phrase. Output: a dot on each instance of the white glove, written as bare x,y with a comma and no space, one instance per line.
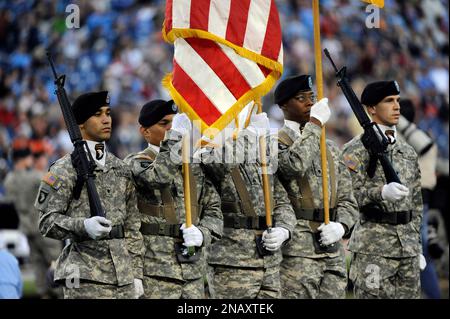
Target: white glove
97,226
202,155
181,123
192,236
138,288
422,262
259,124
321,111
331,233
393,192
274,239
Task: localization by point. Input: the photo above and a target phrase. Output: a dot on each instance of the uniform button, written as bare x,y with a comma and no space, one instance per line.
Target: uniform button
108,190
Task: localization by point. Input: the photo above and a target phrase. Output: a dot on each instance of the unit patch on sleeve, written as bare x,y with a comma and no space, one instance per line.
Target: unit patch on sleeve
352,163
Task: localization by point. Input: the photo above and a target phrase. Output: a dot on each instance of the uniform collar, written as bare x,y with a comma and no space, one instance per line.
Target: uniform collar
294,126
154,148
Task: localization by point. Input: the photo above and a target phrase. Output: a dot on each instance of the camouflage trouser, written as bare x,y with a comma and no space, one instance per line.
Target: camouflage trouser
166,288
42,252
308,278
95,290
385,278
245,283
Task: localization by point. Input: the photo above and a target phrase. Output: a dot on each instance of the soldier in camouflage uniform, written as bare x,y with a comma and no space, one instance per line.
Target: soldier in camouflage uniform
238,269
385,244
159,183
104,256
21,186
313,263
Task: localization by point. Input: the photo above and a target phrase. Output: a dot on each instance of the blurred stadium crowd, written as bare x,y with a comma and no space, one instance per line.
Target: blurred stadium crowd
119,47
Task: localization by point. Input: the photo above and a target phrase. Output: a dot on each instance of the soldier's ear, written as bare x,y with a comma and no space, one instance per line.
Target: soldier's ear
142,130
371,110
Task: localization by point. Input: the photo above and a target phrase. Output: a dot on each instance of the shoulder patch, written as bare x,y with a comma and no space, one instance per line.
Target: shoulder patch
352,163
52,180
42,196
145,164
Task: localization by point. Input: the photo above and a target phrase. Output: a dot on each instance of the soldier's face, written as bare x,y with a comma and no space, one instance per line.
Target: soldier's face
155,133
387,112
298,108
97,128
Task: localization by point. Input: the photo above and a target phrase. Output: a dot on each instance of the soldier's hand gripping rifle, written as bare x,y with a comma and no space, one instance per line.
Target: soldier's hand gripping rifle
373,139
82,159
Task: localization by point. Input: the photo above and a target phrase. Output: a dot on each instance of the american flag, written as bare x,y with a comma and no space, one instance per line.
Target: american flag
227,53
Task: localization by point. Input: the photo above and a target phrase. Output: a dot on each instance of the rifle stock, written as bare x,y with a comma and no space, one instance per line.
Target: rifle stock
85,163
376,143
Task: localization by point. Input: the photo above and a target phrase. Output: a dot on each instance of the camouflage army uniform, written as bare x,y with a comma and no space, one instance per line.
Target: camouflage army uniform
305,272
237,269
89,268
21,188
385,259
154,174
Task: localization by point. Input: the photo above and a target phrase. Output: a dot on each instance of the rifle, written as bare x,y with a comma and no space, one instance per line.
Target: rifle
84,165
373,138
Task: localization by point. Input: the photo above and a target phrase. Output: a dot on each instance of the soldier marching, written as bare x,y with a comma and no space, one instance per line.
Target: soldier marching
139,244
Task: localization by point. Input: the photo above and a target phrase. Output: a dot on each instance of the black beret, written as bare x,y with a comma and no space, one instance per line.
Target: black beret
289,87
375,92
20,148
88,104
20,153
153,112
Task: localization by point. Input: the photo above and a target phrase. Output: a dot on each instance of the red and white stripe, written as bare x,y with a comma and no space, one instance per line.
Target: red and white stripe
212,77
251,24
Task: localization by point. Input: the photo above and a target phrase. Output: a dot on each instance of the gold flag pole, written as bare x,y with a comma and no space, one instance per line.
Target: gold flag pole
187,183
264,174
319,81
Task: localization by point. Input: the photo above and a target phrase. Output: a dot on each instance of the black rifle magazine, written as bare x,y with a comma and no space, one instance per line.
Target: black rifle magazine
322,249
262,251
183,256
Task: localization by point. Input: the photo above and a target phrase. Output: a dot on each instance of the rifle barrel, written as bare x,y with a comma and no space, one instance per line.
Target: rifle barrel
327,54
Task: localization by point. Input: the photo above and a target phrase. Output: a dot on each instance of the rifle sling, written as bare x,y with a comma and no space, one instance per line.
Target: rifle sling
306,203
167,209
78,187
372,167
243,194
